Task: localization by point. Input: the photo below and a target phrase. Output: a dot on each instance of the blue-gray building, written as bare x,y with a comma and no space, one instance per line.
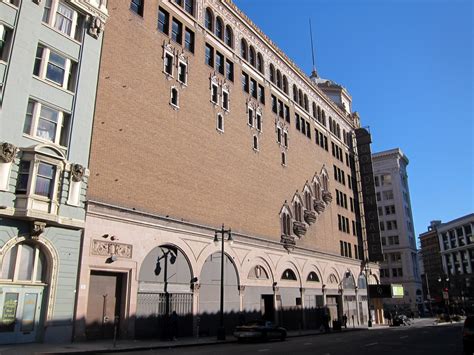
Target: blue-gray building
49,61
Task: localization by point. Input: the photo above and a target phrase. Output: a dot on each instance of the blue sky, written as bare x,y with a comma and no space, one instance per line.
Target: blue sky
408,65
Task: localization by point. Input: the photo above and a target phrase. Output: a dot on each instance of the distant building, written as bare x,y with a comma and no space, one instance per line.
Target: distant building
452,269
400,265
49,61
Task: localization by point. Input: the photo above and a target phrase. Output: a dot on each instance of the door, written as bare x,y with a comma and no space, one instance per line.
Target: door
20,309
268,311
104,304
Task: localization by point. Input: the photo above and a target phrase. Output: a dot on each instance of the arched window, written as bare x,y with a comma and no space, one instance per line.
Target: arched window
285,224
300,97
314,110
260,63
330,125
295,93
285,84
219,28
312,277
279,79
297,208
317,191
272,73
323,115
229,36
306,102
325,182
252,56
174,97
25,262
288,274
209,20
258,272
338,130
244,49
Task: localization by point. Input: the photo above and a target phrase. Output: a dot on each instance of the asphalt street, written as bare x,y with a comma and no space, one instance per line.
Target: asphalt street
419,340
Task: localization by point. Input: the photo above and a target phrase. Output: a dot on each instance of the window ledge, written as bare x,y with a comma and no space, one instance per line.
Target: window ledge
54,85
39,139
72,39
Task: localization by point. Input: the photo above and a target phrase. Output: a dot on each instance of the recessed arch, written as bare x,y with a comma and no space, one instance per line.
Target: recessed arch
209,20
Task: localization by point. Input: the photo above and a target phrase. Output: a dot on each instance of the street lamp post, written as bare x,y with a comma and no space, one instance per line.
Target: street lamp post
366,262
445,280
172,253
222,231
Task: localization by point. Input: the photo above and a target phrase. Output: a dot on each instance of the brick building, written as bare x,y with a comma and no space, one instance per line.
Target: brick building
202,121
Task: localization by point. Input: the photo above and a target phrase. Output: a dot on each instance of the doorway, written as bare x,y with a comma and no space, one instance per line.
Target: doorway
268,309
104,304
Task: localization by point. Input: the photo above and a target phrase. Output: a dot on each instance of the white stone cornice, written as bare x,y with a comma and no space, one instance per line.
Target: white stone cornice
94,8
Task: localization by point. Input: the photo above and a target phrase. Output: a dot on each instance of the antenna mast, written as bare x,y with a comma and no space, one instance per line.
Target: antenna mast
314,73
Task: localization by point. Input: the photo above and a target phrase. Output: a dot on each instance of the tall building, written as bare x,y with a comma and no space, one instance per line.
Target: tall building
48,76
204,129
400,264
451,245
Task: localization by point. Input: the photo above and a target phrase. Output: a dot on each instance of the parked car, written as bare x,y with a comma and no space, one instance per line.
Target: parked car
259,330
468,335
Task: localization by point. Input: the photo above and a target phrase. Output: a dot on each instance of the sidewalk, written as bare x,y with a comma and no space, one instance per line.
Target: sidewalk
106,346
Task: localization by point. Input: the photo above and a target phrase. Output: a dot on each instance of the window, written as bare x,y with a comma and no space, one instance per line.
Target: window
258,119
279,135
183,72
245,82
285,224
244,49
220,123
229,70
189,40
23,177
137,7
252,56
278,79
45,180
5,42
24,262
390,209
261,94
287,113
220,62
285,139
174,97
177,31
209,20
55,68
288,274
255,142
209,55
274,104
168,64
253,88
386,179
214,94
283,158
225,100
388,195
163,21
219,28
229,36
285,84
250,117
189,6
260,63
47,123
63,18
272,73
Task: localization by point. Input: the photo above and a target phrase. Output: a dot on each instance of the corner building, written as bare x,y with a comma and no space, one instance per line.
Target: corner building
49,63
203,124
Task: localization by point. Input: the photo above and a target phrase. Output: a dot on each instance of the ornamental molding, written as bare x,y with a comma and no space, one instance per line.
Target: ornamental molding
7,152
105,248
96,26
37,229
92,9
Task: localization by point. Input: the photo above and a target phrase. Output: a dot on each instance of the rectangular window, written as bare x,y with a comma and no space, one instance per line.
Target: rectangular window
308,130
250,117
64,19
46,123
274,104
209,55
285,139
280,109
189,40
163,21
287,114
388,195
182,75
137,7
47,11
23,177
261,94
177,31
278,134
245,82
229,70
5,42
259,122
168,64
214,94
189,6
45,180
55,68
253,88
225,100
297,122
220,62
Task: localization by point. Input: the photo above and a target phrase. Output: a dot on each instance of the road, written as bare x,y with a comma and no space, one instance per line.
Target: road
419,340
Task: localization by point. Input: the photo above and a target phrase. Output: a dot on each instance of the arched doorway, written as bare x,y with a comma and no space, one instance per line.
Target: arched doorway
209,295
164,287
24,282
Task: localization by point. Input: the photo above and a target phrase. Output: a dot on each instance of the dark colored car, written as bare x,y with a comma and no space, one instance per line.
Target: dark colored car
259,330
468,335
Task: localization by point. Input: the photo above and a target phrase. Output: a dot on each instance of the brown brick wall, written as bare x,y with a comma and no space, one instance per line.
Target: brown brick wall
147,156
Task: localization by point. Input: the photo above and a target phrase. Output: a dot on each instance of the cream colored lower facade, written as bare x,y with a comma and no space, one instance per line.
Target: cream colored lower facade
122,281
